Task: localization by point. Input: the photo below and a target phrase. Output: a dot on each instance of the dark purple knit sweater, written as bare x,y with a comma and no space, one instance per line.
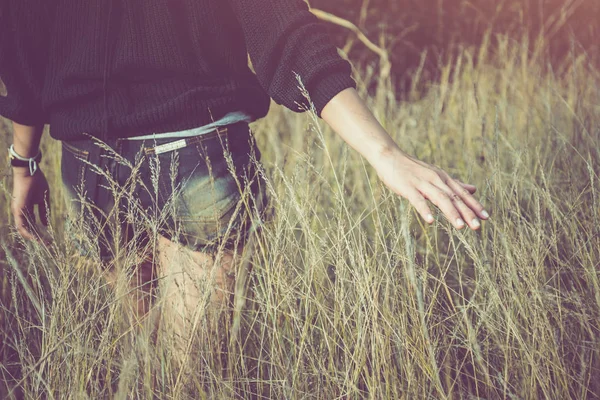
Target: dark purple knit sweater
118,68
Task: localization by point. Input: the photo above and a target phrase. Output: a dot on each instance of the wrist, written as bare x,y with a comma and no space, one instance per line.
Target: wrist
384,151
21,171
393,156
26,151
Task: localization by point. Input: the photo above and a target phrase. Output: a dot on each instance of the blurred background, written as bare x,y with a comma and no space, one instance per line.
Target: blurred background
443,28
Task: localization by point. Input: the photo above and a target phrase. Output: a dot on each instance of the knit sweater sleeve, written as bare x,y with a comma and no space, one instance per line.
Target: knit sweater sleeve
22,52
283,39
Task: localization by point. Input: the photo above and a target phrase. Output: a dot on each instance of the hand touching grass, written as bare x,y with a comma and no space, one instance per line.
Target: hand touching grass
418,182
29,191
406,176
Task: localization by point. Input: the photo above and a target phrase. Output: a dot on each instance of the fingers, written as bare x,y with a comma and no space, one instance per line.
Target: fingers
456,201
471,188
467,214
425,182
467,197
419,202
444,202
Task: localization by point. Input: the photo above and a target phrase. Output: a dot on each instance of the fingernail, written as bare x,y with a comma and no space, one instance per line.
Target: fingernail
485,214
429,218
476,223
460,222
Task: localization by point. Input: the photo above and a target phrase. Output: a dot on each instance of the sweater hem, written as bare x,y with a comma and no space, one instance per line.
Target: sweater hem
327,88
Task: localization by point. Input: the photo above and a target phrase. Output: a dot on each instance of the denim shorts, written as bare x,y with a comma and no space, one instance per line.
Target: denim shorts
204,192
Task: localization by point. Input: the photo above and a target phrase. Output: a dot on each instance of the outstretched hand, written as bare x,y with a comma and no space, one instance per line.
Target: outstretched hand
418,182
406,176
29,191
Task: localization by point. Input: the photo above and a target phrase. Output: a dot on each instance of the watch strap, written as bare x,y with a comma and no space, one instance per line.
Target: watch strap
17,161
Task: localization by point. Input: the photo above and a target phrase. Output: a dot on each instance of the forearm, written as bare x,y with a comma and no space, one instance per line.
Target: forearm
26,139
349,117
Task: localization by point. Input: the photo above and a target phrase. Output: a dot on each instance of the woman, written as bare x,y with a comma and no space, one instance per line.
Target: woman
159,79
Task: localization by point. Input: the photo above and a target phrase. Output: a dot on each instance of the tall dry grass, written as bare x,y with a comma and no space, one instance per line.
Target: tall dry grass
350,294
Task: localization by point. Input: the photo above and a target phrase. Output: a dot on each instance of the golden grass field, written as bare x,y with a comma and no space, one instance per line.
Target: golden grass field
351,295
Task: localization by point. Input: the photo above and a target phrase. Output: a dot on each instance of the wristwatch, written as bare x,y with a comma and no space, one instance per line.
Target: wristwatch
18,161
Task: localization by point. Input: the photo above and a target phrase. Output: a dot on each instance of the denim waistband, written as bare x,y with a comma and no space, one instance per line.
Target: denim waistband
116,143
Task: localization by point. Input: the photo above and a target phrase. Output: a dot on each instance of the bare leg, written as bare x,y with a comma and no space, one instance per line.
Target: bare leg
140,291
187,278
195,288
